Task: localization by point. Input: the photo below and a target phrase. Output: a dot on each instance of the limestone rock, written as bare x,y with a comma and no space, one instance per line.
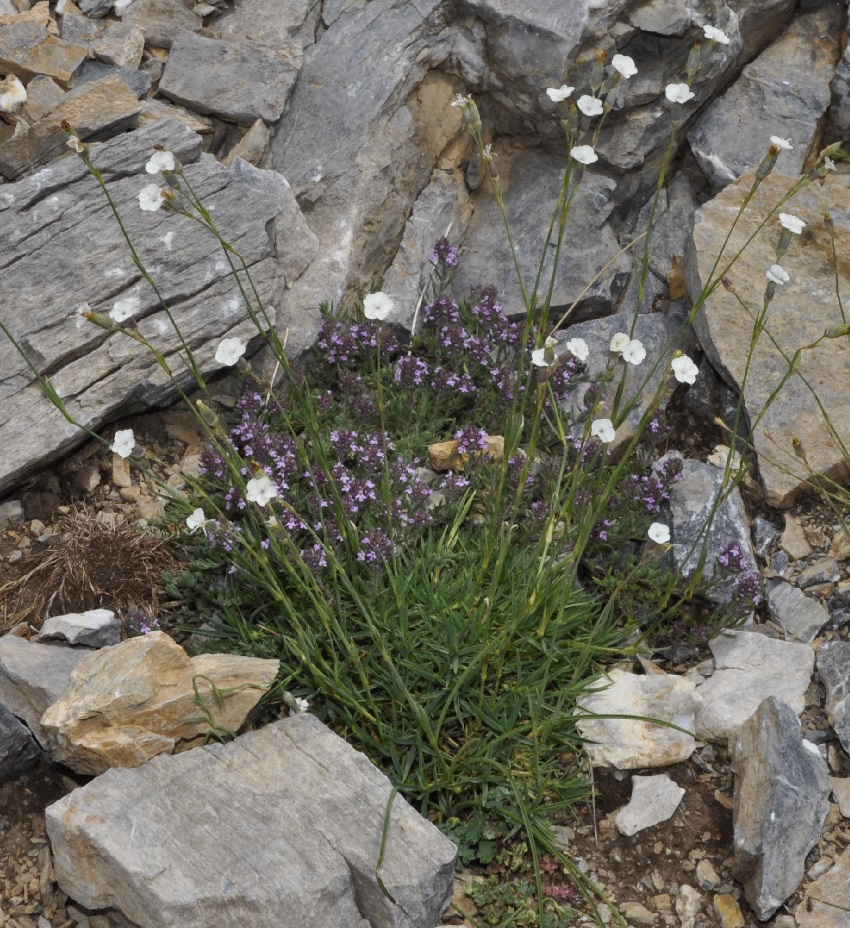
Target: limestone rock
724,329
32,676
251,147
43,96
102,375
238,81
628,743
834,669
749,668
139,82
785,92
105,105
688,903
18,749
27,49
161,20
654,799
841,792
531,183
728,911
281,828
96,628
781,790
270,22
129,702
800,615
827,902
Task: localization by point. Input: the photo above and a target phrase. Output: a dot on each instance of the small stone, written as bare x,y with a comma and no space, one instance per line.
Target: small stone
252,146
728,911
161,21
11,513
122,46
841,791
833,663
132,493
688,902
87,479
654,799
797,613
823,571
635,912
36,528
95,628
15,556
707,875
827,902
121,471
840,547
793,540
27,49
764,534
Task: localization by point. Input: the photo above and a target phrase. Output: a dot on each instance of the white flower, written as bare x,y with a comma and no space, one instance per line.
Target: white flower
778,274
678,93
377,306
624,65
634,352
123,443
151,198
659,533
460,100
13,95
590,106
791,223
160,161
784,144
557,94
80,314
76,144
713,34
230,350
577,347
619,343
197,521
603,429
261,490
538,357
301,704
684,369
124,309
829,164
584,154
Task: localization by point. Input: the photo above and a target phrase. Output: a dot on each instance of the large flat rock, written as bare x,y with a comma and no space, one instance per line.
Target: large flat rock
58,231
281,828
799,314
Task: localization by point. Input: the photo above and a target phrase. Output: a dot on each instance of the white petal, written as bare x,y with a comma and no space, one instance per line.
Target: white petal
584,154
123,443
624,65
784,144
377,306
659,533
678,93
791,223
557,94
590,106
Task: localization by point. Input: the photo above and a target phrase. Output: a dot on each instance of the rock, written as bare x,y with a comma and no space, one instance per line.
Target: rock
122,46
693,499
781,790
104,375
841,791
96,628
27,49
251,147
654,799
360,166
138,82
637,913
96,8
688,902
43,96
728,911
289,812
827,902
750,667
794,542
443,206
834,668
724,331
18,749
707,875
270,22
238,81
764,535
823,571
628,743
105,105
155,110
32,676
785,91
800,616
11,513
161,21
129,702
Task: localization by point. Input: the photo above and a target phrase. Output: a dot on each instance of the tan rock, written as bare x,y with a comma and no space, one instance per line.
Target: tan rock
443,455
28,49
827,902
252,146
129,702
728,911
104,105
793,541
841,791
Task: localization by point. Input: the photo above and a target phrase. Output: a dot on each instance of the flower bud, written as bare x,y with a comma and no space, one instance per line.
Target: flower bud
837,331
767,163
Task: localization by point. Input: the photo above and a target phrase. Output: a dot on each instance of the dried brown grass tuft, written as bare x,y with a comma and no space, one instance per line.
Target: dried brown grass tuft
93,565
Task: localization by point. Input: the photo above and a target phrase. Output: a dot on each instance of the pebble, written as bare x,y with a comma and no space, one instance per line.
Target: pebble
707,875
688,902
793,541
728,911
635,912
822,571
15,556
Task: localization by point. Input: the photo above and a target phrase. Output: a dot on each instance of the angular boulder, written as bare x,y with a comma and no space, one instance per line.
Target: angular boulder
780,803
96,628
129,702
18,749
281,828
833,662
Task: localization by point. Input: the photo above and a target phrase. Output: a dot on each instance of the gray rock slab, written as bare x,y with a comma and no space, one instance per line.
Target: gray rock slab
43,96
238,81
725,322
840,111
285,833
749,668
32,676
100,374
18,749
800,615
531,184
96,628
784,92
654,799
28,49
161,20
138,81
356,168
827,902
833,662
270,22
779,806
